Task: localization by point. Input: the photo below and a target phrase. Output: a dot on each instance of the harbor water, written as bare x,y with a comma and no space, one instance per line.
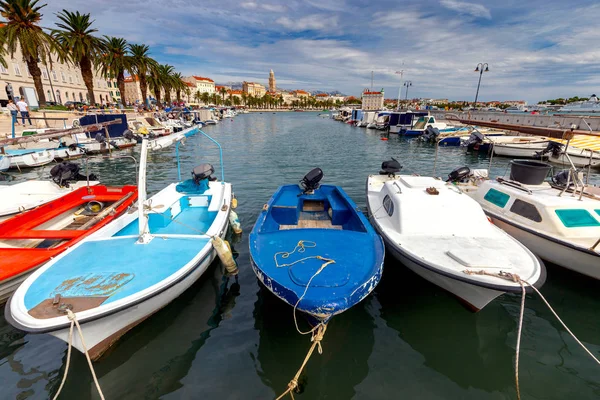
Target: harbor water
228,339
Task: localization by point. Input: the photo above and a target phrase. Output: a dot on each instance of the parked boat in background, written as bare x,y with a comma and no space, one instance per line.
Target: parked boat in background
367,118
419,127
315,250
444,237
4,162
591,106
29,158
402,121
24,196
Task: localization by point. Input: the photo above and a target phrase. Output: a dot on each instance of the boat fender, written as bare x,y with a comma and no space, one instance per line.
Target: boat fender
234,203
234,221
224,252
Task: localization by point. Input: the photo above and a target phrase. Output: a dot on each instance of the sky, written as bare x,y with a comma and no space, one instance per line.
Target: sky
535,50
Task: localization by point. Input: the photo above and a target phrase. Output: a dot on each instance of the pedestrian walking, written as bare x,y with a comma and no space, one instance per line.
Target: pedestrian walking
12,107
24,109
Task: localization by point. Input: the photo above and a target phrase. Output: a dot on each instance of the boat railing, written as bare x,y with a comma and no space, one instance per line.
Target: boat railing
514,184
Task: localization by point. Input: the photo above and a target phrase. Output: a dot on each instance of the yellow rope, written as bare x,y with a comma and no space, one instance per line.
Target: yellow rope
517,279
74,321
319,330
316,341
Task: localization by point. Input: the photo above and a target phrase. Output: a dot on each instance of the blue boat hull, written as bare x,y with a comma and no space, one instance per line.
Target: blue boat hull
334,256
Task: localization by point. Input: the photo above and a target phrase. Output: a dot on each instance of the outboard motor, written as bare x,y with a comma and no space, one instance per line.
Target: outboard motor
475,139
430,135
203,171
553,148
458,174
561,178
66,171
310,182
390,167
100,138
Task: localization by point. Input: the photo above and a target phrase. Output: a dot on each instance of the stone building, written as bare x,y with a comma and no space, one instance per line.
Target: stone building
62,83
272,82
372,100
254,89
202,84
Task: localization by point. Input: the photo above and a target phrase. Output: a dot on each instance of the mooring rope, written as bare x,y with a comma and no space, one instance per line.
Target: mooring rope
316,341
517,279
319,330
74,321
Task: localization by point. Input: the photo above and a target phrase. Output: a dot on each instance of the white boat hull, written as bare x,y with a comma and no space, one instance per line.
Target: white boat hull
475,297
100,334
65,153
563,255
580,158
518,151
32,160
4,163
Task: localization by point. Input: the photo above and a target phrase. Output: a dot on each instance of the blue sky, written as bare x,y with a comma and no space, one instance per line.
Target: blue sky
535,49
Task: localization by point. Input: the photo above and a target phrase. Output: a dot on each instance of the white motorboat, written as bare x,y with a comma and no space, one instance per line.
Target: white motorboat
559,225
591,106
444,236
26,195
366,118
211,122
29,158
559,153
149,257
519,149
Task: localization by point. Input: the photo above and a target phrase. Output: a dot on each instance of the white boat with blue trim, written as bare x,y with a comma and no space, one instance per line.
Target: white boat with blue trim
558,220
132,267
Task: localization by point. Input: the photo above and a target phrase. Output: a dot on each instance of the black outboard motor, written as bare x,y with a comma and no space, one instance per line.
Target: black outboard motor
475,139
458,174
203,171
390,167
128,134
66,171
553,148
100,138
561,178
430,135
310,182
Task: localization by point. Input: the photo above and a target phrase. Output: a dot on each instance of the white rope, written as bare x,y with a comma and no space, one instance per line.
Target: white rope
516,278
74,321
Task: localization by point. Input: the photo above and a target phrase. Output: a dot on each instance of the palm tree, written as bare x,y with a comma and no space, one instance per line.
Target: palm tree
115,61
245,99
81,46
223,92
205,98
197,96
155,83
141,64
236,100
166,73
22,29
179,85
188,93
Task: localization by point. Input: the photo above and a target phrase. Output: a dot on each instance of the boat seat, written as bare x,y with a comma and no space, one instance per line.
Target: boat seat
42,234
339,211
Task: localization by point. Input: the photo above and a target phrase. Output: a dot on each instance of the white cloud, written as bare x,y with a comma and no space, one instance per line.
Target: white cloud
475,10
314,22
251,5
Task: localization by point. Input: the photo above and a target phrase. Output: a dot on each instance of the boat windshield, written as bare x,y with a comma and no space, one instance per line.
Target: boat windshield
420,124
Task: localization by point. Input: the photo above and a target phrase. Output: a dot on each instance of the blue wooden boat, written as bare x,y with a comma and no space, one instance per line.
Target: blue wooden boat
315,250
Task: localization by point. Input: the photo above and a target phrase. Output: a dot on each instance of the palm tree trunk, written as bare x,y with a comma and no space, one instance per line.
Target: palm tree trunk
144,89
88,77
121,86
178,94
168,95
36,74
157,96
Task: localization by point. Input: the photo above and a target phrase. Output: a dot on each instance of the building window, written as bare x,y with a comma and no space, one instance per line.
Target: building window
111,93
76,78
17,69
118,93
67,96
526,210
54,76
48,95
80,97
63,76
109,84
70,79
44,74
388,205
3,69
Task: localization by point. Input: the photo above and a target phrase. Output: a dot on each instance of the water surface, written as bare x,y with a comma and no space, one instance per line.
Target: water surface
410,339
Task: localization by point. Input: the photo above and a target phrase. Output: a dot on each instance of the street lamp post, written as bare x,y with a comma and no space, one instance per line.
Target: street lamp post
401,72
407,84
481,68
